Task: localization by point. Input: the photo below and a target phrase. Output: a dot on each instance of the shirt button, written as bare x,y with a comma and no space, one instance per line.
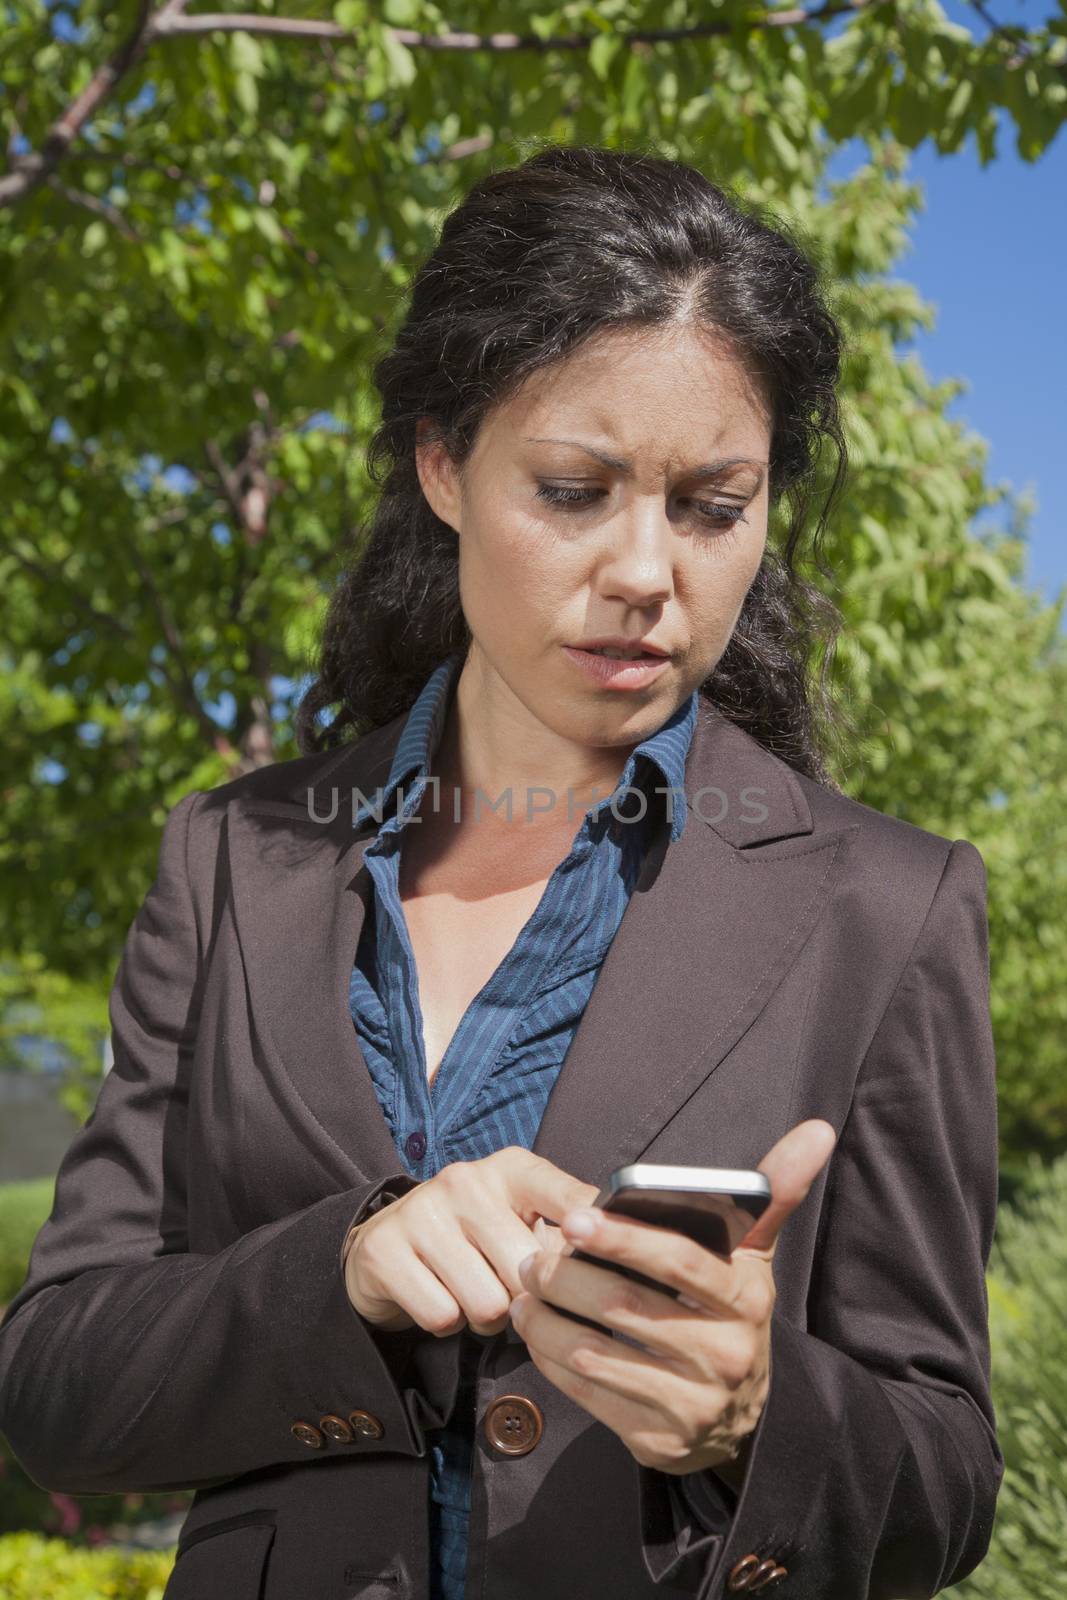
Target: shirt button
415,1145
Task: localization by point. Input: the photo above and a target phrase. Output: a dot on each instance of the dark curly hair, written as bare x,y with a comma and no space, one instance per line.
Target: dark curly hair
535,260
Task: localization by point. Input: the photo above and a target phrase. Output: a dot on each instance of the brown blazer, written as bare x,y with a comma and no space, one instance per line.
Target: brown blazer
794,954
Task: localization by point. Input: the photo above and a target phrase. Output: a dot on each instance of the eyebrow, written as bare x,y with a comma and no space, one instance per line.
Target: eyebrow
709,469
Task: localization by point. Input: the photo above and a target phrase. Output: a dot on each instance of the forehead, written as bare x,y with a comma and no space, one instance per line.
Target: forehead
662,394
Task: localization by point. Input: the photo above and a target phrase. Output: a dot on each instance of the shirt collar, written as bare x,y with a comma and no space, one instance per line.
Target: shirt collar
666,750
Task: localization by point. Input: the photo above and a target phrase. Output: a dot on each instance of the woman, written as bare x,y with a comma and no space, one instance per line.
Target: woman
392,1012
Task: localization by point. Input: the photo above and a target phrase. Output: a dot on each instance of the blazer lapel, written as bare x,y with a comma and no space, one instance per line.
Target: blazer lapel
715,922
298,898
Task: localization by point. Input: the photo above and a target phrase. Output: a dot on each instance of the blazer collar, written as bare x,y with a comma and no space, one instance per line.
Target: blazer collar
419,732
715,921
733,785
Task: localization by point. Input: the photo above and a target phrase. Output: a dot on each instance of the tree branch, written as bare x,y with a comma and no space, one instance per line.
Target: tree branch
29,171
182,684
100,208
300,28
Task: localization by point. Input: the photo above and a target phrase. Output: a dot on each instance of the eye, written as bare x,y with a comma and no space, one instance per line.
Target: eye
558,494
574,498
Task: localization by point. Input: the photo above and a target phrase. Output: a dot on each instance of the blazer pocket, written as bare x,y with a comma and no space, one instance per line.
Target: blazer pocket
223,1561
371,1585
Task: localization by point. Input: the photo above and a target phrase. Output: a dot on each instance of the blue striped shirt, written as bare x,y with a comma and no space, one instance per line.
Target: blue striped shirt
495,1077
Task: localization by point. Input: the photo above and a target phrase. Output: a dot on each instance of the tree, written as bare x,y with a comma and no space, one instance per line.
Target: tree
206,229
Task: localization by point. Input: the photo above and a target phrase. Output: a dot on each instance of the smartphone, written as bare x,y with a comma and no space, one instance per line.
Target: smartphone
715,1206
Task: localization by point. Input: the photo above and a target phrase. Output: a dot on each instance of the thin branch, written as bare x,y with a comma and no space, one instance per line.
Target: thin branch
100,208
113,155
231,484
29,171
183,684
996,28
228,22
460,150
299,28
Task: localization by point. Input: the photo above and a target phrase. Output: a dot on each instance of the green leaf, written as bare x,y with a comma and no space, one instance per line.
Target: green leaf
246,59
783,147
401,60
94,238
635,90
602,52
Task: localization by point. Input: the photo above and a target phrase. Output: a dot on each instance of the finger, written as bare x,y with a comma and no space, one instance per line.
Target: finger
647,1432
475,1254
667,1257
792,1165
537,1187
479,1204
403,1279
652,1317
594,1358
549,1237
483,1298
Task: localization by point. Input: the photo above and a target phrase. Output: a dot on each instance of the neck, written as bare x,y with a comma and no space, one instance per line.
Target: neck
508,751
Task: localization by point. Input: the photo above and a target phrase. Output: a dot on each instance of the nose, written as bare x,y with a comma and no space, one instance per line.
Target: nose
638,564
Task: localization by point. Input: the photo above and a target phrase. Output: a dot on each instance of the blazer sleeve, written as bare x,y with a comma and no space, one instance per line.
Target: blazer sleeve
875,1466
129,1362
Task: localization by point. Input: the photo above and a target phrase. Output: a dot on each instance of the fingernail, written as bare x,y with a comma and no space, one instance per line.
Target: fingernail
525,1263
579,1224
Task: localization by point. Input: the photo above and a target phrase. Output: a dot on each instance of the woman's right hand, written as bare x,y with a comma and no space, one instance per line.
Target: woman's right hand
446,1254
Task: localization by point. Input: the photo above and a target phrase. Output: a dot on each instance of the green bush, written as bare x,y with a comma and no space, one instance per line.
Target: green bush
1028,1327
23,1208
35,1568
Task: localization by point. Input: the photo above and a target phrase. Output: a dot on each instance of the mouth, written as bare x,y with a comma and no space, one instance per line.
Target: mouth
620,655
620,669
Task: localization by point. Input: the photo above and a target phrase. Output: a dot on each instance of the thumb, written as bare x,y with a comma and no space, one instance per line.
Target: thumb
791,1166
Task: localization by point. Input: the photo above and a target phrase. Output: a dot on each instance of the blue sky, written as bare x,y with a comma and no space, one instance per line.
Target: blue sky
989,251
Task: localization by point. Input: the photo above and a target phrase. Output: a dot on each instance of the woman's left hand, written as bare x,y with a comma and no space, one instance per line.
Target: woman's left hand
695,1390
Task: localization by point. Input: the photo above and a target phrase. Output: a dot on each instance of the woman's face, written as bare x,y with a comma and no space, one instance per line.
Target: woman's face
559,546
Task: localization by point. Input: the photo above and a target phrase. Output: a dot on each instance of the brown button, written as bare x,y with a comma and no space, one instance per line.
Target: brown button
742,1571
513,1424
337,1428
364,1425
307,1434
766,1575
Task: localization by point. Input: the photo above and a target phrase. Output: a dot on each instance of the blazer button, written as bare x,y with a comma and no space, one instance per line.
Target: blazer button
513,1424
775,1576
365,1425
337,1428
307,1434
752,1574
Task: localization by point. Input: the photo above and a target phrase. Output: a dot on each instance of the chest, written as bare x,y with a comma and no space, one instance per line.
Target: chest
464,908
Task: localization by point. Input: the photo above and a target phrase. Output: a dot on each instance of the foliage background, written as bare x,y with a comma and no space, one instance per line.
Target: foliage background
206,230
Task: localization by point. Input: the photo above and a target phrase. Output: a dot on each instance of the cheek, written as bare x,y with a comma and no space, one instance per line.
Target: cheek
715,587
512,579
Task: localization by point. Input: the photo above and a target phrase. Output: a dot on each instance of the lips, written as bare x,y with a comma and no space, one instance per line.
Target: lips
615,672
631,649
612,655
